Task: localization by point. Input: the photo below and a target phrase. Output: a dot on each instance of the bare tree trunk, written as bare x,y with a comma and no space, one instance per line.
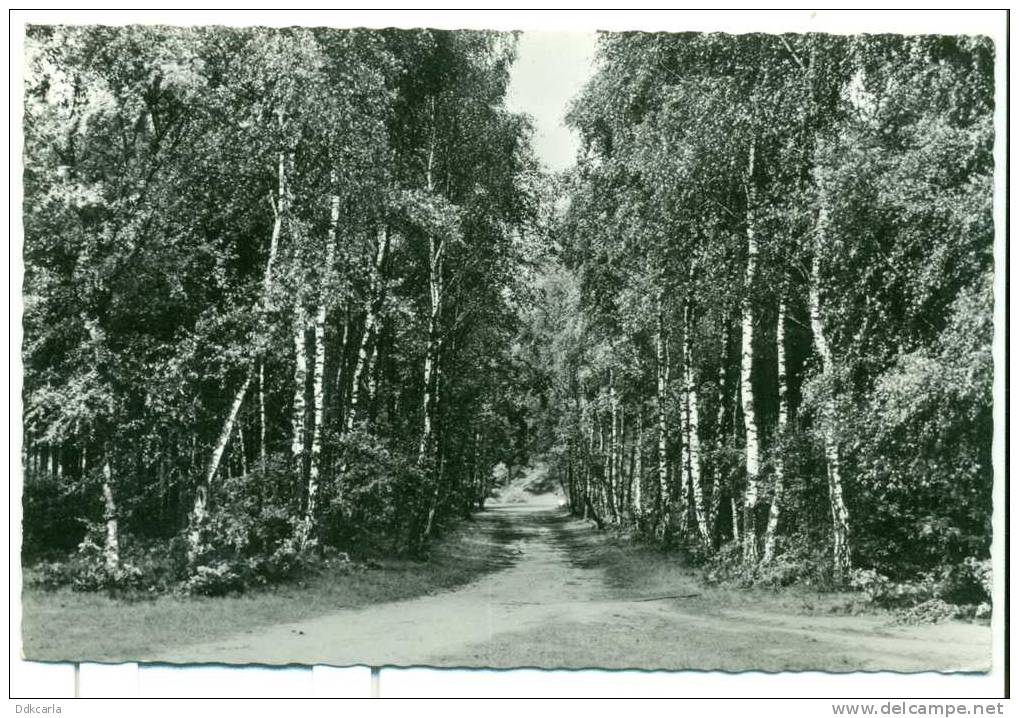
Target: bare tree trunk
663,466
279,206
318,377
373,306
840,514
614,448
111,551
241,449
691,426
339,383
638,471
746,375
716,485
435,247
428,402
783,418
299,416
261,415
224,435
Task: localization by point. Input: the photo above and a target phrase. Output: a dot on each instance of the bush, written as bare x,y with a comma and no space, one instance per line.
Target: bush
89,570
244,540
965,584
216,579
50,575
372,496
933,610
919,450
793,563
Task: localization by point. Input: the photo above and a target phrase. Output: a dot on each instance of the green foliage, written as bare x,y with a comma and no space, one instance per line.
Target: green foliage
921,449
91,571
180,190
796,562
861,168
247,539
373,498
966,583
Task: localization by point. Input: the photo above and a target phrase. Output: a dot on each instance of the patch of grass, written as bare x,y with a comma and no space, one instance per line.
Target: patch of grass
64,625
636,570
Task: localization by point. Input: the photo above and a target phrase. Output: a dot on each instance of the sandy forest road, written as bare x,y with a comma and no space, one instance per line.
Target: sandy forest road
545,610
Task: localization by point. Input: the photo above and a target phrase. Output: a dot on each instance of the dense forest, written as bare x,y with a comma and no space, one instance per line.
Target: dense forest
299,291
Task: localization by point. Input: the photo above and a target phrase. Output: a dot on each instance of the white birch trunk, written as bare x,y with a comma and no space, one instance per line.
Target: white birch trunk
424,447
613,462
279,210
371,370
261,415
691,426
716,484
638,478
783,418
224,435
435,246
111,551
318,375
746,373
241,449
299,415
663,467
372,309
840,514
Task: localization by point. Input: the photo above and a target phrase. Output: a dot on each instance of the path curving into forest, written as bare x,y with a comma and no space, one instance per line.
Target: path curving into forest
550,607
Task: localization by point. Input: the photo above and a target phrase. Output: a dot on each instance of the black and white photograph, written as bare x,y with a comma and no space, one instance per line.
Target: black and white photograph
652,350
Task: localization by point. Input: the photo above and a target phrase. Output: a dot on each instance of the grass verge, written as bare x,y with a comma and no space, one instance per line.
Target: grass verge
639,571
63,625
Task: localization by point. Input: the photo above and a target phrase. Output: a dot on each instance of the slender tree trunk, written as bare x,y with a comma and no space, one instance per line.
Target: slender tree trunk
435,247
841,557
261,415
428,429
746,377
638,471
372,369
279,206
716,484
783,417
339,384
224,435
691,426
662,396
111,551
299,416
373,306
318,377
614,449
241,449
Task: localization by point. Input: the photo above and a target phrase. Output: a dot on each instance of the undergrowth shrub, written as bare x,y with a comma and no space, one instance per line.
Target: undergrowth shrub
245,540
371,496
793,563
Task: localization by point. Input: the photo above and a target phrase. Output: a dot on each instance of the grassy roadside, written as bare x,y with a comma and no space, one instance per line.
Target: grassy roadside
63,625
638,571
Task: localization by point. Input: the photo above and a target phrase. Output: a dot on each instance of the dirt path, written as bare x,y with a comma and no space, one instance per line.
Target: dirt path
545,610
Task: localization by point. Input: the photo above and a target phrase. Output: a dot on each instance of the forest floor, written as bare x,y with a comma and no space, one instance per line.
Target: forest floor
522,585
572,597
